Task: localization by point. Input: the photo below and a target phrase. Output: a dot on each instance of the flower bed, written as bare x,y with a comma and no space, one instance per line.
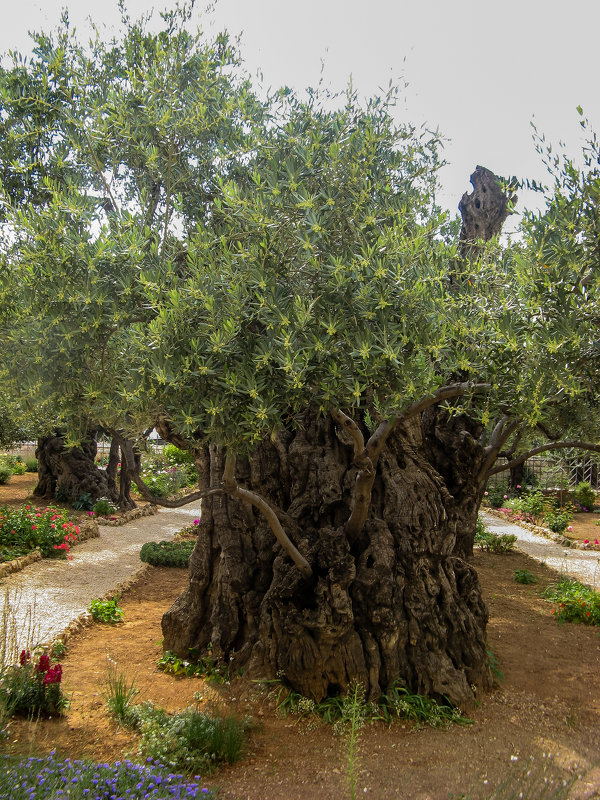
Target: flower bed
26,529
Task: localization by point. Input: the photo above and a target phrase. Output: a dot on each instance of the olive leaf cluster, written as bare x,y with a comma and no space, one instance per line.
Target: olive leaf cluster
173,247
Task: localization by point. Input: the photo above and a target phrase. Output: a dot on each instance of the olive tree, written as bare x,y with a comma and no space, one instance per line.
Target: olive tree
274,288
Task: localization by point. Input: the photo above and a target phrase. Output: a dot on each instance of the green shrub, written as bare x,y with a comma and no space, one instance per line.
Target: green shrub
107,611
584,495
103,507
31,463
164,482
5,473
191,740
486,540
534,504
557,521
167,554
496,496
15,463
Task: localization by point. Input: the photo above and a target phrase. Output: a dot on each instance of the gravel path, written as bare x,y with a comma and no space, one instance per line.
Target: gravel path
584,565
56,592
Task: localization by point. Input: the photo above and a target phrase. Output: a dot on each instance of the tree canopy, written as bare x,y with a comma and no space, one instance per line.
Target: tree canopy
174,248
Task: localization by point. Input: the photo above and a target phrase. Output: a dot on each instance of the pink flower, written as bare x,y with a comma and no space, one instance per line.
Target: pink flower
34,527
197,521
485,494
570,528
518,485
586,541
596,541
506,497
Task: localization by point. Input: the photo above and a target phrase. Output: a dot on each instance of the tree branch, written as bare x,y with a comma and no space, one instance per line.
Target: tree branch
364,479
577,445
231,487
443,393
145,491
500,435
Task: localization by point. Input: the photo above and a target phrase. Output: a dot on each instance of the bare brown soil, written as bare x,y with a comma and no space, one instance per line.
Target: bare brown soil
548,702
18,489
584,527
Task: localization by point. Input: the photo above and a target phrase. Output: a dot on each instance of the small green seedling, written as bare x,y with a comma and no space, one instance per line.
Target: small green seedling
107,611
524,576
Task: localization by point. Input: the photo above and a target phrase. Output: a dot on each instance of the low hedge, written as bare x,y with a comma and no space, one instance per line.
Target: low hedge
167,554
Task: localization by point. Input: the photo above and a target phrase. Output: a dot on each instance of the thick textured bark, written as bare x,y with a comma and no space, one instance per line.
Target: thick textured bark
113,465
73,471
395,605
483,212
451,445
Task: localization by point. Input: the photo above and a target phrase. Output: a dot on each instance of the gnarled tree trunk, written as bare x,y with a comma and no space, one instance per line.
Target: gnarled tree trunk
72,471
397,604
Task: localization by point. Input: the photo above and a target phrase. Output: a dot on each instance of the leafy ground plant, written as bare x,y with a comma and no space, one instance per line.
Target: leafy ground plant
574,602
50,778
396,703
205,667
167,554
192,741
524,576
107,611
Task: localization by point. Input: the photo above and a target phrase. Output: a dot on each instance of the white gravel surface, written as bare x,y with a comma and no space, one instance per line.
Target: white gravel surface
584,565
56,592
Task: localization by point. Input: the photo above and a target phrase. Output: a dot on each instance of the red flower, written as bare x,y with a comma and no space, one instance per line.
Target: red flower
24,657
43,663
54,675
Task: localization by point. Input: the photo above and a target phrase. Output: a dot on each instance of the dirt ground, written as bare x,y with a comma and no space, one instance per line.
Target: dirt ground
547,707
548,703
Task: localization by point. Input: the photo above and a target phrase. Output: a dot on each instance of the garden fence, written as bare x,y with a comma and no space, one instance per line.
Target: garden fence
563,472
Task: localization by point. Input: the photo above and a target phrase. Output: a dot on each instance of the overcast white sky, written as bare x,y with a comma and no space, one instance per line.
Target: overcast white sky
479,71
